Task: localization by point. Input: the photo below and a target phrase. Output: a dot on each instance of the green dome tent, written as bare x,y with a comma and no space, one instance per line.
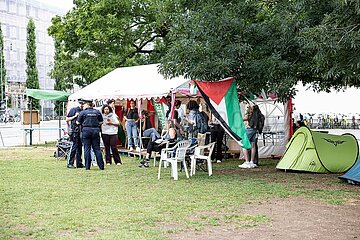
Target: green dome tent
319,152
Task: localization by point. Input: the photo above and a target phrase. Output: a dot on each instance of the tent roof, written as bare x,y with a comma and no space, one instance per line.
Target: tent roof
47,94
136,82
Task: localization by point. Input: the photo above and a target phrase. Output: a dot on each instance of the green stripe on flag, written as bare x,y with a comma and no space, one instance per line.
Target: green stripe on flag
235,120
159,108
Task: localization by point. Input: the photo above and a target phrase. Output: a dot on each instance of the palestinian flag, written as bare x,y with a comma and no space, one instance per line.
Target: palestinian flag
222,99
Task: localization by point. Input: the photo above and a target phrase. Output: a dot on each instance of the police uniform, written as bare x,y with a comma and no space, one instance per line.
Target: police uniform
76,146
90,120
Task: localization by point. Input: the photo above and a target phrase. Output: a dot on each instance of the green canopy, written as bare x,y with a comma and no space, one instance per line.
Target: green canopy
47,94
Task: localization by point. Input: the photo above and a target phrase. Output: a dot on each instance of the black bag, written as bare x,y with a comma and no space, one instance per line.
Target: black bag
257,119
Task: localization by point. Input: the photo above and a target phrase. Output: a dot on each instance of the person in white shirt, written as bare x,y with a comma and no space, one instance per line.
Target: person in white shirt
109,130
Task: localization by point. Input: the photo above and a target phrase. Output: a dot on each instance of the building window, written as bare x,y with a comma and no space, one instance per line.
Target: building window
28,10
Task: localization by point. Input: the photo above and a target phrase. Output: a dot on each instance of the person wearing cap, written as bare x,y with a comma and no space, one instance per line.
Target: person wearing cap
74,133
91,119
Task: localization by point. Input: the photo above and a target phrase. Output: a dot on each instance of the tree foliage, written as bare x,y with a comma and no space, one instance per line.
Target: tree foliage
333,45
58,76
269,45
2,66
32,79
100,35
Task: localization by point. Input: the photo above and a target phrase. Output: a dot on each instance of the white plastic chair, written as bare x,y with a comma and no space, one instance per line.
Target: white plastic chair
201,154
167,156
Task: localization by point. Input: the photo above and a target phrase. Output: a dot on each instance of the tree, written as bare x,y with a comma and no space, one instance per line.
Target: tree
2,65
58,75
100,35
32,80
219,39
268,45
333,45
264,44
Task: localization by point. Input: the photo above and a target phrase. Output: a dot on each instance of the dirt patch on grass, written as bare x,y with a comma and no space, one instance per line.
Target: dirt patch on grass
288,218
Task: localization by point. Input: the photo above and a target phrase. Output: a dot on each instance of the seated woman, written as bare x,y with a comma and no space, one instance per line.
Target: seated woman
171,138
146,128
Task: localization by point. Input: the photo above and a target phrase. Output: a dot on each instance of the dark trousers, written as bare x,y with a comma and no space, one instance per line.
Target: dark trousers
217,135
110,142
75,150
153,146
91,139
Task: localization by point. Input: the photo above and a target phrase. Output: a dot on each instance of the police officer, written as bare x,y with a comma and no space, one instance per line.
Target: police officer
74,133
91,120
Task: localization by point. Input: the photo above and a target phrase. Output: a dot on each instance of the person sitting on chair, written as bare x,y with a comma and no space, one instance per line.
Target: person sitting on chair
169,140
146,128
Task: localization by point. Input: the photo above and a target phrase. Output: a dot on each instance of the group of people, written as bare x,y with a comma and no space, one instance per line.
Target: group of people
85,125
182,126
88,124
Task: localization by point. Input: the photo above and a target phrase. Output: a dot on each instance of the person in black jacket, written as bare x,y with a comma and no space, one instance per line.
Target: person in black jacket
91,119
74,134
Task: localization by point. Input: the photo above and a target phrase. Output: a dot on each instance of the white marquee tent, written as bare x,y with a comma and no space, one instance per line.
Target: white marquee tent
139,82
145,82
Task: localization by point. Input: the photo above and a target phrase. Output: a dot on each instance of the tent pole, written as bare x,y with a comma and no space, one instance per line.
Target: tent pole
59,116
31,121
140,138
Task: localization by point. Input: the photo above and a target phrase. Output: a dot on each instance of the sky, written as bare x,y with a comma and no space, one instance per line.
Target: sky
343,102
63,4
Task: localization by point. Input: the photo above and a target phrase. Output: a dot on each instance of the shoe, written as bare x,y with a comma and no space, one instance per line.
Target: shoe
252,165
131,149
146,165
245,165
108,164
80,166
118,164
218,161
137,149
70,166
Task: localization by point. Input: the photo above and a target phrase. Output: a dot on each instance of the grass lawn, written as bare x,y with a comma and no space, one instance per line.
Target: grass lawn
41,199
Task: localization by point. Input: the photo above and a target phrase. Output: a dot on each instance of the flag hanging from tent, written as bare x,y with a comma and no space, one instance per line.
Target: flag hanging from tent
222,99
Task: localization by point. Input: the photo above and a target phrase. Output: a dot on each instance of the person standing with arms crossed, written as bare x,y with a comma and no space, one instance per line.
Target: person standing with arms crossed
91,120
132,118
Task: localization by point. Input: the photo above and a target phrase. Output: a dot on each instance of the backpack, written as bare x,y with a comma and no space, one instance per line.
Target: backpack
201,124
257,120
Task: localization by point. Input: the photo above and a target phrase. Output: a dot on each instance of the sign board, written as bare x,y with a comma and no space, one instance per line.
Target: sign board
25,117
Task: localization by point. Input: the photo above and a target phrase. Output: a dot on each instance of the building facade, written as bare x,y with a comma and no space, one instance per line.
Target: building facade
14,17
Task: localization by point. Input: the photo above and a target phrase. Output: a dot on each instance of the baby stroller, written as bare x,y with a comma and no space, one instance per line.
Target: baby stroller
63,147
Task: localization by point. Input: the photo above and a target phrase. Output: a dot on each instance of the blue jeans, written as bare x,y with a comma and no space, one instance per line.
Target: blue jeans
152,133
131,130
251,133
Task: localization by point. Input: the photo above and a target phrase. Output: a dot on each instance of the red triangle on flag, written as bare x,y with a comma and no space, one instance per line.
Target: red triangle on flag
215,90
